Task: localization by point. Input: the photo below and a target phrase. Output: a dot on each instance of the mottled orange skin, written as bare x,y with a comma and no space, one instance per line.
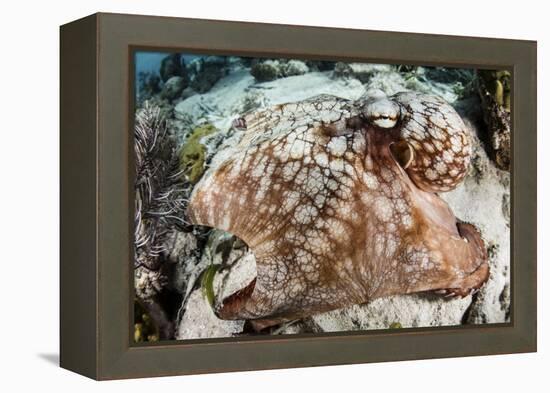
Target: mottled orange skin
332,217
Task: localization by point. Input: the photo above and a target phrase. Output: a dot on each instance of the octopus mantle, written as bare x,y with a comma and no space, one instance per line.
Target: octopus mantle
337,200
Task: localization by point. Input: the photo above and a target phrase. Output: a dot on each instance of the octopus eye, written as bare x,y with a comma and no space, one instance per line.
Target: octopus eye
381,112
403,153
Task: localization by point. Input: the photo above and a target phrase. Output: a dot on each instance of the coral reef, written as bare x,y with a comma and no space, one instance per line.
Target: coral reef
179,292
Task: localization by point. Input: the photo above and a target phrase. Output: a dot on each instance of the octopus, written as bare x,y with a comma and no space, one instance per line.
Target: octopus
338,200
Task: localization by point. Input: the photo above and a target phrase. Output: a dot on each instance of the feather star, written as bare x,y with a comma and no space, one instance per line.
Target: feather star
337,200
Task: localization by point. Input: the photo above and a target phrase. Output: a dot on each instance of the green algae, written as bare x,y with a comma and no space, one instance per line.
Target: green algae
207,282
498,84
144,328
193,153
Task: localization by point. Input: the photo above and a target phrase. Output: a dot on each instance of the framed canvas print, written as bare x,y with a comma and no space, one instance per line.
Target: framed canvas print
240,196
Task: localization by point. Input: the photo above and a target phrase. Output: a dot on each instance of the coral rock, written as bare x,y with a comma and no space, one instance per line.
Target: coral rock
173,87
294,67
266,71
494,91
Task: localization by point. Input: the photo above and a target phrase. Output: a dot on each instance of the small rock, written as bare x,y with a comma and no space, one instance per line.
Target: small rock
239,268
149,283
294,67
172,87
267,70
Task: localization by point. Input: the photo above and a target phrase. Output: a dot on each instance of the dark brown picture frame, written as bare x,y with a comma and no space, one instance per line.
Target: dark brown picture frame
97,196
